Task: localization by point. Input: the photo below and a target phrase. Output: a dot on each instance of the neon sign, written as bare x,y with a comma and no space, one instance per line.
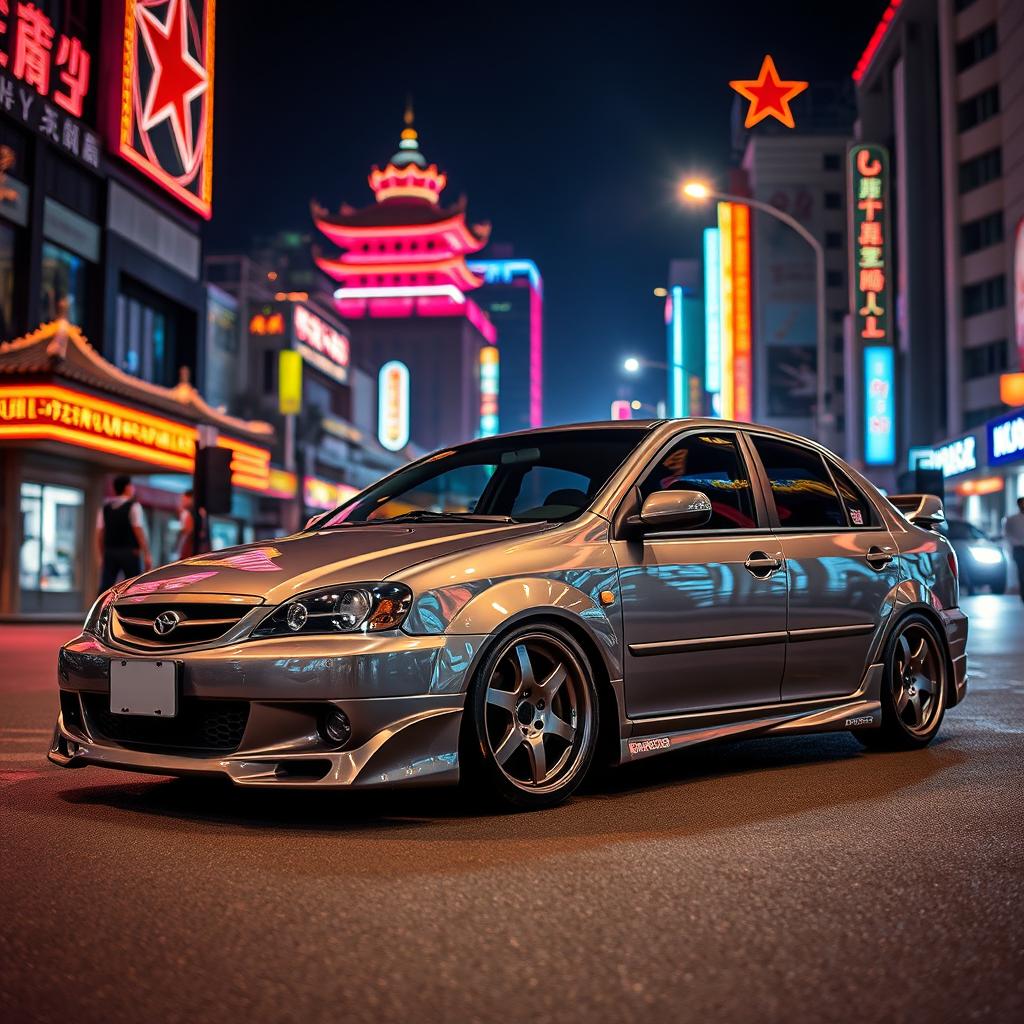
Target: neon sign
957,457
167,76
725,303
315,333
879,406
317,493
45,79
393,405
876,40
871,280
769,95
622,409
1018,290
712,312
1006,439
735,360
489,372
678,393
55,413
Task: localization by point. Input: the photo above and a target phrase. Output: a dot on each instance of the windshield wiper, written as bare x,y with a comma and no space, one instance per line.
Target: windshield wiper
425,515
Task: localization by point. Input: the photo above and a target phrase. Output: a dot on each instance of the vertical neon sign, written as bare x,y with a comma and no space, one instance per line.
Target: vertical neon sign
712,315
678,394
393,405
871,296
489,372
725,303
743,408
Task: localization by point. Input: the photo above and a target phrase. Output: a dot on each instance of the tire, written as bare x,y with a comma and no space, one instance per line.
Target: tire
915,687
532,719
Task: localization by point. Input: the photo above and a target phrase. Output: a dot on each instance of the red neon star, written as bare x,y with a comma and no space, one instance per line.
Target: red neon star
769,96
178,78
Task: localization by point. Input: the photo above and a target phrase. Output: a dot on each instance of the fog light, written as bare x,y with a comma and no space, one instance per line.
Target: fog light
337,727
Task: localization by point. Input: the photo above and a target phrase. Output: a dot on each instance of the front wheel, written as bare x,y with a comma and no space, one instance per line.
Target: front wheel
532,719
914,689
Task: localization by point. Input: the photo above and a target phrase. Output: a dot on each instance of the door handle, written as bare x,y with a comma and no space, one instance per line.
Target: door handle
761,565
879,558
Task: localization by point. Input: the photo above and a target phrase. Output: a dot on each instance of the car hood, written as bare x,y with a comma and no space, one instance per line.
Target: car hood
276,570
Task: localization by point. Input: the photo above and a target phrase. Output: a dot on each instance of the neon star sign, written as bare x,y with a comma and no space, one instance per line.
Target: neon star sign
167,96
769,95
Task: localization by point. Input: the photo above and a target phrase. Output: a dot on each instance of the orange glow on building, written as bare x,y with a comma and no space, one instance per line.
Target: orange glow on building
986,485
49,412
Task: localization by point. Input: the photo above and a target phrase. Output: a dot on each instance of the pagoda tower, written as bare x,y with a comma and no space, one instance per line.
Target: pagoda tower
406,254
404,289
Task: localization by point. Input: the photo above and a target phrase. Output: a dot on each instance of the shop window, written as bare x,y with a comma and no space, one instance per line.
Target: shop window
148,338
52,547
64,284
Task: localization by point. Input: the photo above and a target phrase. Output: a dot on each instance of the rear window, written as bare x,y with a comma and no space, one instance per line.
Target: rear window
802,488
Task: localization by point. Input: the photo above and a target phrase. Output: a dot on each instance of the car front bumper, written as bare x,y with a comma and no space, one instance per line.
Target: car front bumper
254,712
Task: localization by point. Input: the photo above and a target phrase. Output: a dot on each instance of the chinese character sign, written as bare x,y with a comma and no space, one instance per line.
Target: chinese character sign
45,78
871,295
167,96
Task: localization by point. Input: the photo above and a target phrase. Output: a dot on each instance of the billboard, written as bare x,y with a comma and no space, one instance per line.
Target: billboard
166,125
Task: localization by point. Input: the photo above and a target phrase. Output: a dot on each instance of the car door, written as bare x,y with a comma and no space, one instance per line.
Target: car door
704,611
841,565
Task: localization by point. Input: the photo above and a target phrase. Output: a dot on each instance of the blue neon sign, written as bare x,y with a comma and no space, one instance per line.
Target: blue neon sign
879,406
712,311
1005,438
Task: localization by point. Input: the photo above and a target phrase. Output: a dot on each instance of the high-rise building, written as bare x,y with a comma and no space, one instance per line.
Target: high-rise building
939,87
513,298
404,291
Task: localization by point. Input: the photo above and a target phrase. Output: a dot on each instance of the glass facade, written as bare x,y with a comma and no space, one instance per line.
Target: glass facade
63,285
52,536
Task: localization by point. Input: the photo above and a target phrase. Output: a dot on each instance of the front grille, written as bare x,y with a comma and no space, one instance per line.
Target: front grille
194,622
200,726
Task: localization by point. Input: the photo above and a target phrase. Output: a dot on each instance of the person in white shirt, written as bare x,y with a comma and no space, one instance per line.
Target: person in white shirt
121,536
1014,531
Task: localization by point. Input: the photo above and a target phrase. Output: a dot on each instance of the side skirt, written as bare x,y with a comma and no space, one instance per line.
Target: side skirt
860,710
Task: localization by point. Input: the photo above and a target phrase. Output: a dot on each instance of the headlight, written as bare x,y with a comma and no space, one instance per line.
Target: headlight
97,620
361,608
984,555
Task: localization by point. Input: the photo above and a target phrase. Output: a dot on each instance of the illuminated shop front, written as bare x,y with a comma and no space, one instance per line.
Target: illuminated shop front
69,420
404,289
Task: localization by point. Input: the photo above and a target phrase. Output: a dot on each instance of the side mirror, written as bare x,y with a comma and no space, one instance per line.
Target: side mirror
677,510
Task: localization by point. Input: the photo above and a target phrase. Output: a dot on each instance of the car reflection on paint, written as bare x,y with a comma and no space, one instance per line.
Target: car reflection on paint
505,612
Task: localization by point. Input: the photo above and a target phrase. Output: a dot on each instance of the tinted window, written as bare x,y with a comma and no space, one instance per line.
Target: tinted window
858,508
711,464
801,486
547,475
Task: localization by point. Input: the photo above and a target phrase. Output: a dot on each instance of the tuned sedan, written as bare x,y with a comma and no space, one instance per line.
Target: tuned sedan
504,612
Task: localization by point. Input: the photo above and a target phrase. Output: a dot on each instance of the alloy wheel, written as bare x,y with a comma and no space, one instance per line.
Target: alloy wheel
538,715
917,677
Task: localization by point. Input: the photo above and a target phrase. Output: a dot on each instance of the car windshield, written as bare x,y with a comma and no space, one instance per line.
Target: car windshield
550,476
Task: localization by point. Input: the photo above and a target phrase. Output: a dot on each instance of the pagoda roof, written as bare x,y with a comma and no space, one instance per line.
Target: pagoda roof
395,213
59,349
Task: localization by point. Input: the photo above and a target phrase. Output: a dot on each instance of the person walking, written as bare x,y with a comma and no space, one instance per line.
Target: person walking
121,536
1015,536
192,538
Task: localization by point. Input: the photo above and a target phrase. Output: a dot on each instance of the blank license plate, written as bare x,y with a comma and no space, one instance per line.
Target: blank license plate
144,688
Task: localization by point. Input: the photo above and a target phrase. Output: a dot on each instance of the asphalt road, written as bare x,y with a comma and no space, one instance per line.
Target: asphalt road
767,880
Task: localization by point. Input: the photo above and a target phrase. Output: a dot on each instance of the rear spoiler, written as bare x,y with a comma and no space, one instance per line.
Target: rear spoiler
921,509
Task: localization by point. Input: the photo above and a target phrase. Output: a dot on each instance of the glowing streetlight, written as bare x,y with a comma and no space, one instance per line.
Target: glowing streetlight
696,190
631,365
660,293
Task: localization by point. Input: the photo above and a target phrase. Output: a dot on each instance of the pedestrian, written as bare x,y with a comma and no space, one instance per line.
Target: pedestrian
1014,532
121,535
192,527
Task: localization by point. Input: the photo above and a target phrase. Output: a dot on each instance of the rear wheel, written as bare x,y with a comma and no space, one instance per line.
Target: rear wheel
915,687
532,717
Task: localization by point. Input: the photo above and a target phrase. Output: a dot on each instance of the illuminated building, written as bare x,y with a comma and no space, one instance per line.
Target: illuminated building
686,348
937,91
802,173
403,287
513,298
106,115
68,417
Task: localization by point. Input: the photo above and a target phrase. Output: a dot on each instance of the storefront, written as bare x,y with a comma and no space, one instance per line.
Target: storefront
69,420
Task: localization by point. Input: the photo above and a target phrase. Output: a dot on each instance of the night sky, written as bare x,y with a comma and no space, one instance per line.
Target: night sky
566,128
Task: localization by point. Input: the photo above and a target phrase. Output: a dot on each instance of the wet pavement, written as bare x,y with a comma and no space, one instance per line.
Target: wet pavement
767,880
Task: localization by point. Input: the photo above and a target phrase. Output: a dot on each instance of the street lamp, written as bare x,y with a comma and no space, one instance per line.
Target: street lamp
699,191
631,364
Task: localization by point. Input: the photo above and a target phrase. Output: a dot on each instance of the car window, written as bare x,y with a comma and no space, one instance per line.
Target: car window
713,465
802,489
544,487
858,508
959,529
